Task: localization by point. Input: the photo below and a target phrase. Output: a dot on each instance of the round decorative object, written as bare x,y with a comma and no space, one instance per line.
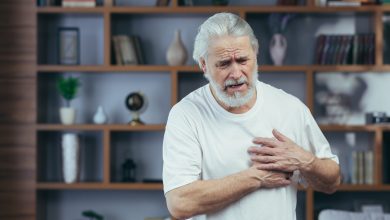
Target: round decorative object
136,103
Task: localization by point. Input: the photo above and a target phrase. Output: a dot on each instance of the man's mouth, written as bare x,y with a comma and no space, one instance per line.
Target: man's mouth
235,85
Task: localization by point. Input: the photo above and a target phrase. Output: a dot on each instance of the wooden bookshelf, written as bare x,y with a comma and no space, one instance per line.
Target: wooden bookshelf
108,14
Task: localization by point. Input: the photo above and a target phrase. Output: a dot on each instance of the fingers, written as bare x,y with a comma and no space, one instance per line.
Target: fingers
271,142
264,159
279,136
265,150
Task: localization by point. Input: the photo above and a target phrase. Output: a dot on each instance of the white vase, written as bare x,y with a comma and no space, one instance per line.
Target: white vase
70,158
67,115
278,48
177,53
100,116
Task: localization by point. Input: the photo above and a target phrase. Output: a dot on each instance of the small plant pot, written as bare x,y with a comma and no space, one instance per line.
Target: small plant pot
67,115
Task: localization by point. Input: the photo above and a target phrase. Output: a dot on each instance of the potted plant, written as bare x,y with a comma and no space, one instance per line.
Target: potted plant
68,89
92,215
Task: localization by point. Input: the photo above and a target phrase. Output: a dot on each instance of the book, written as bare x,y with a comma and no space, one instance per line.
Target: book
78,3
138,49
344,3
368,167
319,48
128,51
117,50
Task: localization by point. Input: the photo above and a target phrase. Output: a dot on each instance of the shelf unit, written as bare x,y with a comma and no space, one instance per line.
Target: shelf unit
176,72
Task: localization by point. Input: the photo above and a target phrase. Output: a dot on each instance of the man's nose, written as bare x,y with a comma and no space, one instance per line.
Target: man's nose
235,71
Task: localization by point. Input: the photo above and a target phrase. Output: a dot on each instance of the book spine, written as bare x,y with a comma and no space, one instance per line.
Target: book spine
368,167
117,51
128,52
74,3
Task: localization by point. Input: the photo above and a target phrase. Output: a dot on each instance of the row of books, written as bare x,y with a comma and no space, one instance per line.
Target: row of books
345,49
362,167
127,50
68,3
348,3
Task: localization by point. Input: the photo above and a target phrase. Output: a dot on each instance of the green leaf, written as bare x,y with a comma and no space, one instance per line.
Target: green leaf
68,87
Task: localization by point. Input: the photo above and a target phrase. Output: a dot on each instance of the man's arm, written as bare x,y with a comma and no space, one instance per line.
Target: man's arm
282,154
207,196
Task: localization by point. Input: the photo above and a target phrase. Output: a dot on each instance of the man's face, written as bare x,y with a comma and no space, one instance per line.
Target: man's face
231,66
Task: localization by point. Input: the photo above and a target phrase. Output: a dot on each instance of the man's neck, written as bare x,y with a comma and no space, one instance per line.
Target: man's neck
236,110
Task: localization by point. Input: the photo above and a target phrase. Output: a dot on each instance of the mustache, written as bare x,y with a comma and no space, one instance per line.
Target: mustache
232,82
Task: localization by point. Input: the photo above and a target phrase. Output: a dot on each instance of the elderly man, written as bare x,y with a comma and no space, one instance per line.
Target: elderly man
236,148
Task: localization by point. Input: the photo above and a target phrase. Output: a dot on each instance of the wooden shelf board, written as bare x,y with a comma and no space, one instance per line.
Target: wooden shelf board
59,10
208,9
383,127
349,127
348,187
93,127
195,68
99,186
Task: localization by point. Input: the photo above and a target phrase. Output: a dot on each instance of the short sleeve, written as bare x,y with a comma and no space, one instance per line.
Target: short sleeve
314,140
182,154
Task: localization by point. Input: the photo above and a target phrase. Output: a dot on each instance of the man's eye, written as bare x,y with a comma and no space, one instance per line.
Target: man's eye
224,64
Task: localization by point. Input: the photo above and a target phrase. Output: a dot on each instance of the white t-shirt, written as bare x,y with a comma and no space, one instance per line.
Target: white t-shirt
203,141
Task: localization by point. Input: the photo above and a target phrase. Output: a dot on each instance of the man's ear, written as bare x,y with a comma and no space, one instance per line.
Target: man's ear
203,64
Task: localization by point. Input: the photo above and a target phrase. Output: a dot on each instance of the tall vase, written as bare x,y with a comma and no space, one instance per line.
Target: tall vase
177,53
70,158
278,48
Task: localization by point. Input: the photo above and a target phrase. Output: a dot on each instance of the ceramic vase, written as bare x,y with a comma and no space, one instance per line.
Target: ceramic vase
278,48
177,53
70,157
67,115
100,116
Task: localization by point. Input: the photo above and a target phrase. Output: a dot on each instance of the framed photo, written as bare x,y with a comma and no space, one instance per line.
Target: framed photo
69,46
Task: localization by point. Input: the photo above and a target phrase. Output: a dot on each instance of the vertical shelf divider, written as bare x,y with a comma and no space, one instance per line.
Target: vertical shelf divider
174,3
107,38
378,156
378,25
310,90
108,3
106,156
174,87
309,204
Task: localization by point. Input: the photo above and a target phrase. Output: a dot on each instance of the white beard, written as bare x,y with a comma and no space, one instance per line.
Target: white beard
237,99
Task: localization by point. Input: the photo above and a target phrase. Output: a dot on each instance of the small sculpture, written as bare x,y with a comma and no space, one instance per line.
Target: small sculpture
136,103
100,116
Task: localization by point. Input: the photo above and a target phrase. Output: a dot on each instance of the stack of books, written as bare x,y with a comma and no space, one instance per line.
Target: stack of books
348,3
127,50
362,167
78,3
345,49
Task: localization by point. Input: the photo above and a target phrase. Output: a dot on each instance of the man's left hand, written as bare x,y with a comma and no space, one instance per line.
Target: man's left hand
280,153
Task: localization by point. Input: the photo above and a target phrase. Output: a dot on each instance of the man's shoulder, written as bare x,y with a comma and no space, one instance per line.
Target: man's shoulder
191,102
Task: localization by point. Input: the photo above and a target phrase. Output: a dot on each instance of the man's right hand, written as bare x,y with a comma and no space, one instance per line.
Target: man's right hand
270,179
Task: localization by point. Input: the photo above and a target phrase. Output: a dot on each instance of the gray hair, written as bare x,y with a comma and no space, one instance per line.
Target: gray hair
221,24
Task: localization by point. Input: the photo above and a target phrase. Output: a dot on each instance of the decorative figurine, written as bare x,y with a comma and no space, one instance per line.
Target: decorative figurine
136,103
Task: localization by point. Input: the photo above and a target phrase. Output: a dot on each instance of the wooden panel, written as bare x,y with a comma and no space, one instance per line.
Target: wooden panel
18,100
17,109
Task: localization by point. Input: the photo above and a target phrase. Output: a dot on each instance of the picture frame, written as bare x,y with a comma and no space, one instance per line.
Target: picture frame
68,46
